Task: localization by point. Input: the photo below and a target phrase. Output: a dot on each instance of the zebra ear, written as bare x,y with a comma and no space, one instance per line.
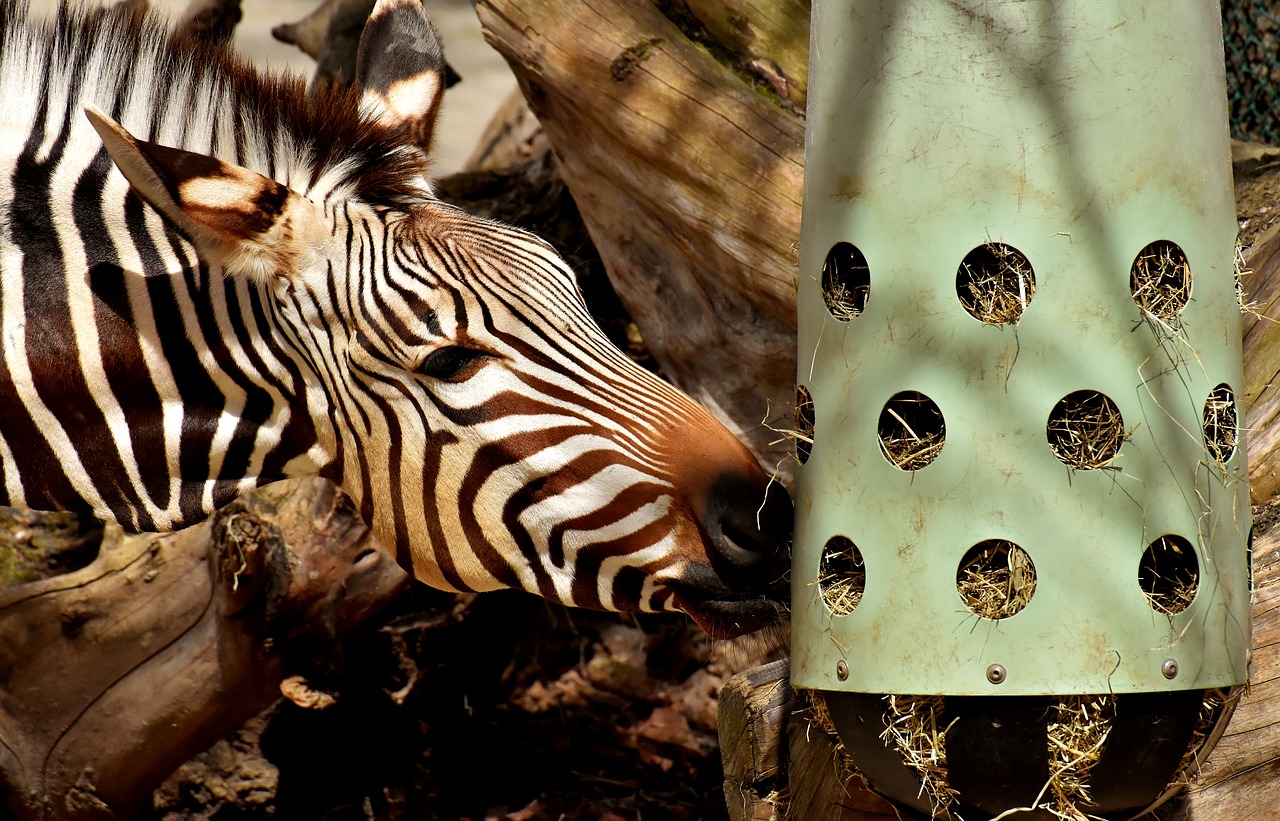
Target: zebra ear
237,219
401,70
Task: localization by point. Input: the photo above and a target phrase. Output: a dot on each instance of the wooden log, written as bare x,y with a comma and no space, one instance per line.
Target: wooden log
213,21
1262,364
768,38
689,180
117,673
753,711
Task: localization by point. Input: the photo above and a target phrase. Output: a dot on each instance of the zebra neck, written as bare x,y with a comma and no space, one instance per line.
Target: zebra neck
147,396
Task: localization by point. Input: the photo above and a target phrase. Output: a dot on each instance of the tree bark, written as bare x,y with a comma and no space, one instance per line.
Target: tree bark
117,673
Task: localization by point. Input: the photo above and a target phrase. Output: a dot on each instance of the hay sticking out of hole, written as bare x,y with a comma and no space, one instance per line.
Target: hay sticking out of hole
1221,424
1076,737
846,281
911,430
805,420
1086,430
1169,574
996,579
995,283
1242,270
1160,280
842,576
913,725
845,302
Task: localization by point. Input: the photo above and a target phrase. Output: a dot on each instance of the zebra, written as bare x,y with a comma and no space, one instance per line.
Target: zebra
212,278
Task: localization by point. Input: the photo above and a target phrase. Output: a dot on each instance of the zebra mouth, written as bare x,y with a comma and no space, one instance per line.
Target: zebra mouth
728,618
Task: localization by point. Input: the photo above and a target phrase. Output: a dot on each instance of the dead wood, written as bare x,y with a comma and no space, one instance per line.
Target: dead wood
213,21
116,673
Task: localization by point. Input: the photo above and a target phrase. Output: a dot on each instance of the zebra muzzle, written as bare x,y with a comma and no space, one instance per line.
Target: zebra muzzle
749,525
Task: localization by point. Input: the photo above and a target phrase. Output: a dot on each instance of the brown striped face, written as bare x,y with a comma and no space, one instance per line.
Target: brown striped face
527,452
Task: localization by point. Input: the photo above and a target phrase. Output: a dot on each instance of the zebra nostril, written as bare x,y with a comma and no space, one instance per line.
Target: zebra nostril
750,523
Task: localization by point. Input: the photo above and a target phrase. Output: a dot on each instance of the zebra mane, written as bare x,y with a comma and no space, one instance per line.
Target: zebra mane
180,92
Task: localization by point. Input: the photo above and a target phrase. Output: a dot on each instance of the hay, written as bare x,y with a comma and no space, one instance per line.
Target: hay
846,281
845,302
913,725
1221,425
805,420
1076,737
1160,280
996,579
995,283
911,430
842,576
1169,574
821,715
1086,430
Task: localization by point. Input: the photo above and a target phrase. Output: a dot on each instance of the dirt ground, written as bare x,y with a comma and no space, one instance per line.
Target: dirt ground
497,707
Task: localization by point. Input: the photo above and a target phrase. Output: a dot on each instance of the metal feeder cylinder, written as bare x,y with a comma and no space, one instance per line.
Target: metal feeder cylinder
1021,506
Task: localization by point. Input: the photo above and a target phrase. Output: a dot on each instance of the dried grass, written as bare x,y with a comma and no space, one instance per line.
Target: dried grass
1086,430
845,302
805,420
1221,424
1160,280
996,579
996,283
911,430
846,281
821,715
1169,575
913,725
842,576
1076,737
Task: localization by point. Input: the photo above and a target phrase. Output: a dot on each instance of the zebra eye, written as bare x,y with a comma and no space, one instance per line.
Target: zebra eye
452,364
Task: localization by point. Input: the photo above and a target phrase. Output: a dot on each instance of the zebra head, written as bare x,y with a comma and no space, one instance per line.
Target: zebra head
457,387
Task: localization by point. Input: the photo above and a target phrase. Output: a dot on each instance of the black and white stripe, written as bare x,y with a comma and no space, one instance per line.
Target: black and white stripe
214,280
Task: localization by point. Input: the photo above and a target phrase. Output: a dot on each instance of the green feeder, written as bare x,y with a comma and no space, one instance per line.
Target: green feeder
1021,574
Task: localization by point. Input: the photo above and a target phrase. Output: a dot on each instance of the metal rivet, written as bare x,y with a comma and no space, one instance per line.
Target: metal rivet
1169,668
842,670
996,674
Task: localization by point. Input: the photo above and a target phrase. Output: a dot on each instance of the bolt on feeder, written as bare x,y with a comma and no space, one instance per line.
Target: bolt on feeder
1020,572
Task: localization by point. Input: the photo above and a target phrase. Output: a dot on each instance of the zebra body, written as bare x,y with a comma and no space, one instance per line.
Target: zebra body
210,280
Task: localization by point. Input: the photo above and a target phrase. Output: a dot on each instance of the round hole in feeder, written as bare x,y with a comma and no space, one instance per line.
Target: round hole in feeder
1221,424
1160,280
805,419
1086,430
1169,574
842,577
911,430
996,579
995,283
846,281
